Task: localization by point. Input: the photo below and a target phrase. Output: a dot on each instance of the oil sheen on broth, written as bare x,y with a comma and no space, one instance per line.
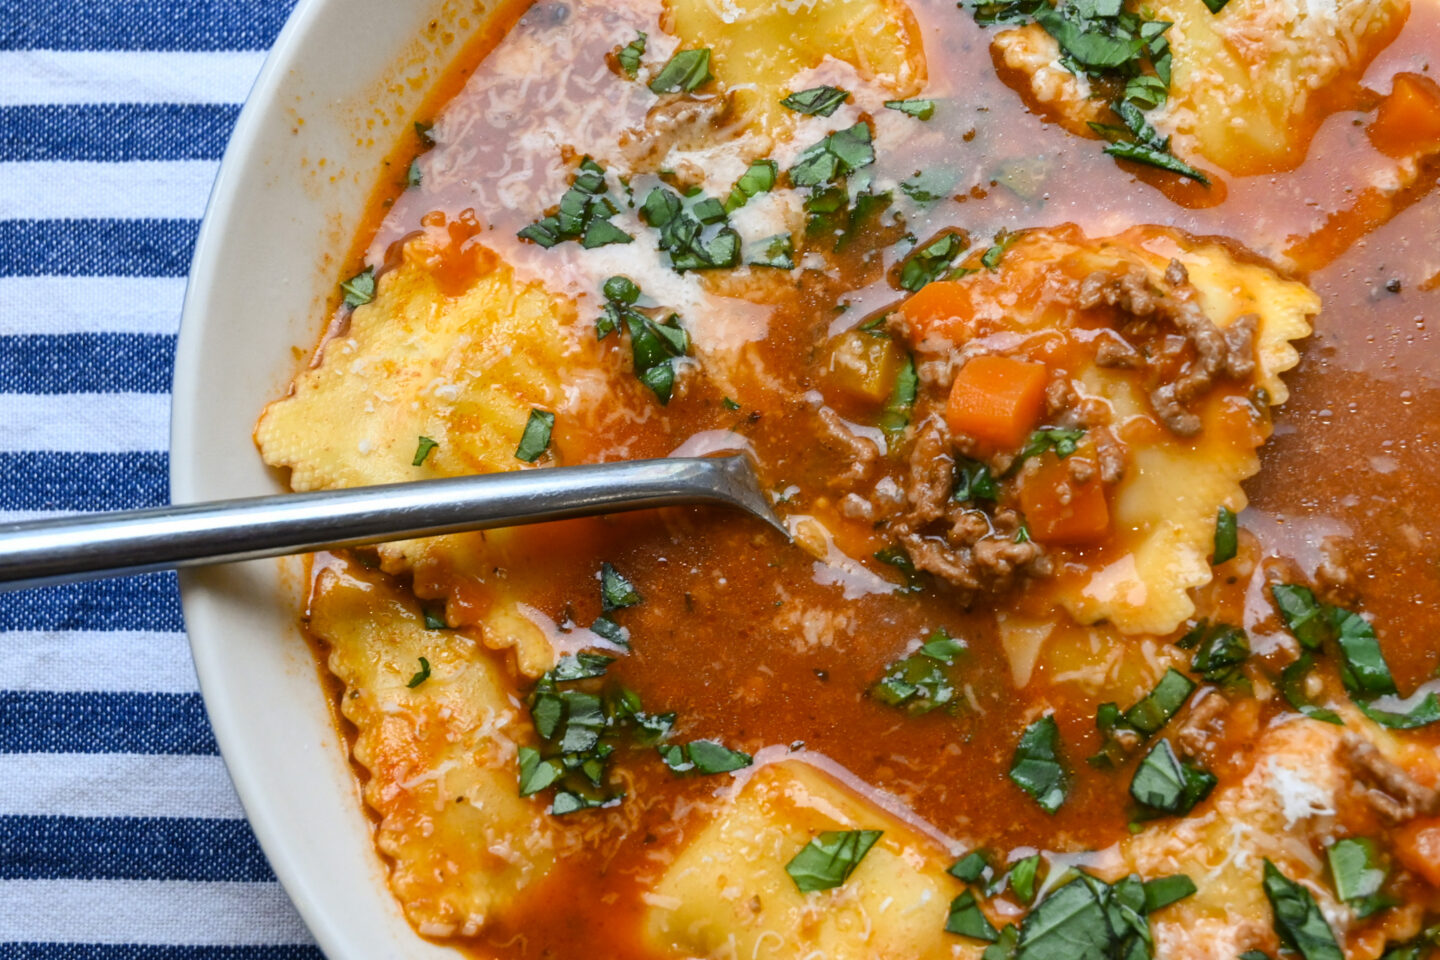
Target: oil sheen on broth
1087,362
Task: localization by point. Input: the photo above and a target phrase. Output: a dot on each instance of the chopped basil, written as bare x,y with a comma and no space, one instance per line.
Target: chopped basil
1070,924
758,178
583,213
1022,877
1215,6
967,920
688,70
1163,891
612,631
703,756
616,593
927,186
993,254
828,860
777,251
630,54
1359,874
1166,784
537,774
412,175
580,666
1298,921
421,675
817,101
896,557
1226,536
425,131
1304,616
919,682
973,482
1362,665
1222,651
901,402
919,109
1146,91
536,438
1292,685
654,346
838,154
729,404
1004,947
1147,146
1063,440
1036,767
932,261
422,450
434,619
1400,714
971,868
683,232
359,289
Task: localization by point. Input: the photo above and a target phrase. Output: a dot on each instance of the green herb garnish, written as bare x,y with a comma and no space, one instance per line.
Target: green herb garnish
688,70
1358,874
966,919
629,55
1163,891
1221,652
1166,784
971,868
536,438
838,154
703,756
919,109
828,860
1036,767
932,261
919,683
974,482
901,402
817,101
616,592
421,675
359,289
583,213
1226,537
1298,921
422,450
758,178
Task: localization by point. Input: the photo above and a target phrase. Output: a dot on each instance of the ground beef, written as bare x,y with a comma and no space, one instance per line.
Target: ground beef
676,121
1392,792
860,451
932,473
1194,734
1335,575
1218,354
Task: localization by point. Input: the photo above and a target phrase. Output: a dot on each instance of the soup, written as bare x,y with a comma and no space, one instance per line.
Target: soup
1083,351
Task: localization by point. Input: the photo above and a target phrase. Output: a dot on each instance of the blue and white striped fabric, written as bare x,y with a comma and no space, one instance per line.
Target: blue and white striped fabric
120,835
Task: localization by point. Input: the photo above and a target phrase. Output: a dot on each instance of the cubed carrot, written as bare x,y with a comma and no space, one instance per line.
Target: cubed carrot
997,400
1059,510
941,308
1408,121
1417,845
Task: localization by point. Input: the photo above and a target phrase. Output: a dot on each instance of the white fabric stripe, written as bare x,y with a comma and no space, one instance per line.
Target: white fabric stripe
90,304
85,422
21,516
115,785
110,76
81,660
148,911
126,191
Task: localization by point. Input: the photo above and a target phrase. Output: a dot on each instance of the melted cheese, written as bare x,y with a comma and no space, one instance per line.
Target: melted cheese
461,843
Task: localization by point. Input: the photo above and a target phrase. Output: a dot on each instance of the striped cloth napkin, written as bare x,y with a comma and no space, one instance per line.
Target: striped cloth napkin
120,835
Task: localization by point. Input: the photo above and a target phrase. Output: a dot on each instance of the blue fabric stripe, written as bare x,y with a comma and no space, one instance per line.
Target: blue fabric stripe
146,723
147,602
83,481
86,363
132,951
141,24
130,848
112,132
88,248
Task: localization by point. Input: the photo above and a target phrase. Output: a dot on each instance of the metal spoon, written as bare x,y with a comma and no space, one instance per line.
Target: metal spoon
39,553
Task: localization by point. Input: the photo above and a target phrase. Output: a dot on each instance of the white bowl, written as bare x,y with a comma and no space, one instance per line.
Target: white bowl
343,81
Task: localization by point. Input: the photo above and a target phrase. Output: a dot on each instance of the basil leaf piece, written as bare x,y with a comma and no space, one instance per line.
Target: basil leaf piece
993,254
425,131
1165,784
1148,147
971,868
359,289
583,213
1155,709
758,178
1221,653
896,557
1022,877
917,683
712,757
1298,921
1226,537
536,438
919,109
930,185
421,675
536,774
621,290
1215,6
932,261
630,54
413,175
974,482
839,154
1070,924
1146,91
688,70
1303,615
1417,713
817,101
1292,685
966,919
828,860
1163,891
1358,874
1363,668
896,415
1004,947
434,619
777,251
580,666
943,647
610,630
616,593
1036,767
422,450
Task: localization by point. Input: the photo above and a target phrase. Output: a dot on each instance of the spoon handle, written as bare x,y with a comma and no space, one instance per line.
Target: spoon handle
39,553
